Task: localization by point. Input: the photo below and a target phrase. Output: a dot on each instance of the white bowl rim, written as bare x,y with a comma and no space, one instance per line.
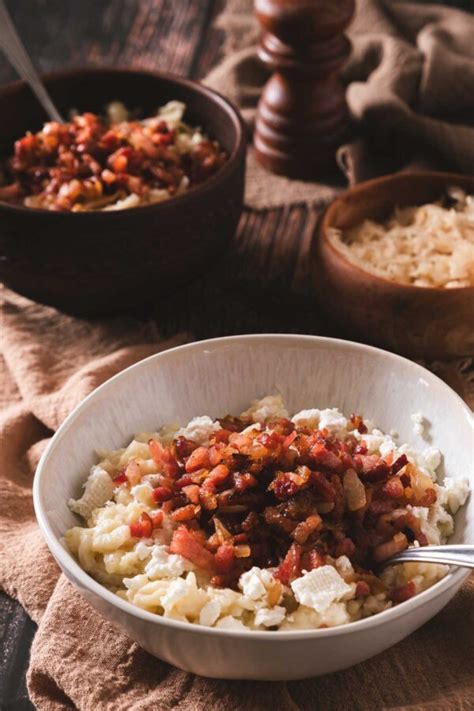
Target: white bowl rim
451,579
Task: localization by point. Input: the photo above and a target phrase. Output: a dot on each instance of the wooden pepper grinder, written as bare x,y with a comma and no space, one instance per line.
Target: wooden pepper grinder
302,115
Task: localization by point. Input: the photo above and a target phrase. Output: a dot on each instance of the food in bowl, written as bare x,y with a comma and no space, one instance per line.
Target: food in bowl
430,245
263,521
110,163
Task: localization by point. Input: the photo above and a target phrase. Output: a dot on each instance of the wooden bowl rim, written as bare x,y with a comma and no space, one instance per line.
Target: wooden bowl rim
366,276
214,97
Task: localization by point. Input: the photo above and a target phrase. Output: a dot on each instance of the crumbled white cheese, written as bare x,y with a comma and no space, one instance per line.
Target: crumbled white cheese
333,420
183,598
143,493
270,406
270,617
255,582
319,588
199,429
166,565
453,493
98,489
307,418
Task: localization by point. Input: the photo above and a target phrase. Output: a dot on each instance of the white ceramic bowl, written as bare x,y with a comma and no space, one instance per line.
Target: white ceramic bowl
221,376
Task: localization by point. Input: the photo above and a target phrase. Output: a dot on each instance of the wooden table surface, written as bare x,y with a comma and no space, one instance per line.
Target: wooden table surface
262,283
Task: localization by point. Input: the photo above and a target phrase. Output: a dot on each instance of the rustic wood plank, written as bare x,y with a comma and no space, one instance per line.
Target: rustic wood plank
152,34
16,634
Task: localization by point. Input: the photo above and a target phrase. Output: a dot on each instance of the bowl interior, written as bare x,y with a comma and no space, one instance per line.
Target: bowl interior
376,199
222,376
92,89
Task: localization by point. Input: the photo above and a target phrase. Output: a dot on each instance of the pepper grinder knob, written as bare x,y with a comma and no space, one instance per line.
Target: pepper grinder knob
302,115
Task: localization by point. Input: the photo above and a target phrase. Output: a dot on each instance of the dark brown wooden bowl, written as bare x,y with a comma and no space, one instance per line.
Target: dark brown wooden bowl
104,262
416,321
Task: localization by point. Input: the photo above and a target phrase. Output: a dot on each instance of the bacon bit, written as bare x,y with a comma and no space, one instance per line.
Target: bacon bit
393,488
163,458
199,459
371,468
220,436
403,593
161,493
242,551
132,472
184,447
362,589
216,455
192,493
405,478
399,464
224,558
304,529
167,506
324,457
188,544
184,513
217,476
157,518
185,480
358,424
290,567
142,528
386,550
288,441
428,498
324,487
316,559
340,500
120,478
244,481
382,506
208,500
282,486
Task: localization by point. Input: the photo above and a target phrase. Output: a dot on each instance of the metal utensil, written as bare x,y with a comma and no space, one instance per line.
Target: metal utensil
18,57
458,554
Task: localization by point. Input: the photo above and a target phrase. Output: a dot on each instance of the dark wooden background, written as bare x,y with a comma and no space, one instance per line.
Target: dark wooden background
263,281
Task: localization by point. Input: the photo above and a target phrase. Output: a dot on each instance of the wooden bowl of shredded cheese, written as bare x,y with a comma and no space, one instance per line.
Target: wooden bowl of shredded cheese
393,263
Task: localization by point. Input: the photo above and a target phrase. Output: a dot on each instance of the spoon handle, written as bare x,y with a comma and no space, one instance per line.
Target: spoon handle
18,57
453,554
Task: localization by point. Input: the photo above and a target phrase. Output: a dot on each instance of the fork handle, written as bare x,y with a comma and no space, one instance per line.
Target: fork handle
18,57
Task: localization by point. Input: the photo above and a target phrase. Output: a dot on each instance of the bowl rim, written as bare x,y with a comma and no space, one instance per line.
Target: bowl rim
358,190
210,95
454,577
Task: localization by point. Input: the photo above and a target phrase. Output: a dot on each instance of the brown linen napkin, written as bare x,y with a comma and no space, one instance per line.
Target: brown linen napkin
78,660
410,91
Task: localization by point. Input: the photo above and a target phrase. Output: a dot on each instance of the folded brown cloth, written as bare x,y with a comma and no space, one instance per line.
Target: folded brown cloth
410,92
48,363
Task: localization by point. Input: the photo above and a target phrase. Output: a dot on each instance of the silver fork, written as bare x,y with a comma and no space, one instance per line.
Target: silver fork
18,57
460,554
